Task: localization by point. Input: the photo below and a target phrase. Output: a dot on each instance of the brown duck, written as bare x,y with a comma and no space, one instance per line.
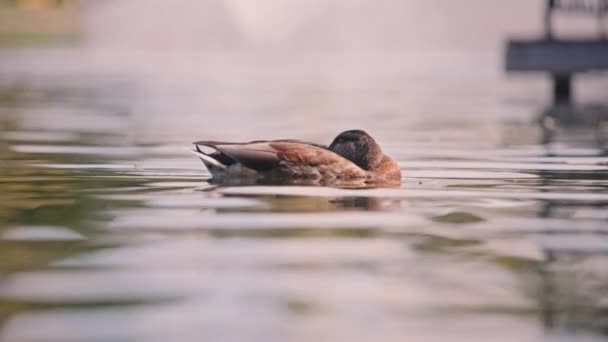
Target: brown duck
353,156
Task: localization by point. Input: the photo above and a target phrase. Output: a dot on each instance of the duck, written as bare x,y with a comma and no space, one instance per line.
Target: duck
352,156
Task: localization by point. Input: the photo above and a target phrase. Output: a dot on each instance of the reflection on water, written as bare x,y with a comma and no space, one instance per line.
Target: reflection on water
554,118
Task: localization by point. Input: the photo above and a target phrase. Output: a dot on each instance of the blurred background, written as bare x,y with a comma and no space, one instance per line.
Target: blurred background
208,63
110,230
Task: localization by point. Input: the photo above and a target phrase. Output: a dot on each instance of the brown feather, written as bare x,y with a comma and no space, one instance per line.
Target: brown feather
315,160
388,170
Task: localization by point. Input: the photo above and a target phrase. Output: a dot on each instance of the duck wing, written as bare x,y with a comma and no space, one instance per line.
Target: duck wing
292,154
256,155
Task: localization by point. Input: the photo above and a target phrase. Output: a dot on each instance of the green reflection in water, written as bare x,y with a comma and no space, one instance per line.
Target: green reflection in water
458,217
437,244
33,197
11,307
18,256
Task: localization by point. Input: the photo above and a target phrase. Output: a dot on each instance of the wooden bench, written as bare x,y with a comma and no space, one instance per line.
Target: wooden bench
561,58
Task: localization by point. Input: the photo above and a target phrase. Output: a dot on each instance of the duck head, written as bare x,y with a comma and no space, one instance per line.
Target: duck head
359,147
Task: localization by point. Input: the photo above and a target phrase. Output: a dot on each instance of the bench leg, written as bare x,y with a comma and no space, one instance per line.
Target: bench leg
562,89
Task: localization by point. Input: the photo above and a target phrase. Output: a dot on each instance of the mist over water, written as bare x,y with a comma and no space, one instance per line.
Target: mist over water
110,229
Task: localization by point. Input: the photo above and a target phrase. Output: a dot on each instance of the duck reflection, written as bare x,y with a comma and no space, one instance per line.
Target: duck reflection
356,203
308,204
296,203
334,183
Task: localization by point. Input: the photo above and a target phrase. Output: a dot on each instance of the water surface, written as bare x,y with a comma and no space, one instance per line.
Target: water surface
108,238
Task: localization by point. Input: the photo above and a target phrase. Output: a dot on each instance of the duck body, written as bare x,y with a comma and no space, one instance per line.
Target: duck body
352,156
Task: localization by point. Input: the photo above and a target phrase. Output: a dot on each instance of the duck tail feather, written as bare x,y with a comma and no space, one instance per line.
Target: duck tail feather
209,161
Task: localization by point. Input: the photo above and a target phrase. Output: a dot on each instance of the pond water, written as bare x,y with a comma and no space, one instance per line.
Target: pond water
111,231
